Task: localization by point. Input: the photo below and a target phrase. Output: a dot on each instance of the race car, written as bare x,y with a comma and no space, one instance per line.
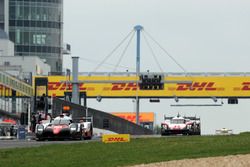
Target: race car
224,131
8,130
180,125
62,127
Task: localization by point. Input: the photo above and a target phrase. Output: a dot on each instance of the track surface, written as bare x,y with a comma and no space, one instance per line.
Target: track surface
33,143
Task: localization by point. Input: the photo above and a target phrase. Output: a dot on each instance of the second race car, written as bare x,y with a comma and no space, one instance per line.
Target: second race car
181,125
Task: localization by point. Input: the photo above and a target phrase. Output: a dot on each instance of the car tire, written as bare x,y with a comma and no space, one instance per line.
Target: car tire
81,132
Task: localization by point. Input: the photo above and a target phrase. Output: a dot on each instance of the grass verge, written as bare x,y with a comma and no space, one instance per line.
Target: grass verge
138,151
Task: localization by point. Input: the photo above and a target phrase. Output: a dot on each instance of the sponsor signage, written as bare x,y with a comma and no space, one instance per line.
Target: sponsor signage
40,90
7,92
201,86
115,138
143,116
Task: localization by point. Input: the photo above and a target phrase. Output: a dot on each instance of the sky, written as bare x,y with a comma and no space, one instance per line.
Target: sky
201,35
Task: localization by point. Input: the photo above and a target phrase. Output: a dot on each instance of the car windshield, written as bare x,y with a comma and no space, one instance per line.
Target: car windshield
177,121
60,121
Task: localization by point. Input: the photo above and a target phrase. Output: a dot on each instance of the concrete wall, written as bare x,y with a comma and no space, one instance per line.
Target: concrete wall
6,47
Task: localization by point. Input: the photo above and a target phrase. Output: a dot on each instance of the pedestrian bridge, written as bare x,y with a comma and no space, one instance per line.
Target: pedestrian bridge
9,82
15,96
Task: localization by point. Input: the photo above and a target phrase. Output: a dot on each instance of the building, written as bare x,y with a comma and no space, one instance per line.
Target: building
24,65
20,66
36,28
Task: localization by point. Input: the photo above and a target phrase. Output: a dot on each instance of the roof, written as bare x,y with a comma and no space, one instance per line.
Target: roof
3,34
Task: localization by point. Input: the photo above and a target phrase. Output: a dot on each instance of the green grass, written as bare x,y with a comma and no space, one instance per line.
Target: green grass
120,154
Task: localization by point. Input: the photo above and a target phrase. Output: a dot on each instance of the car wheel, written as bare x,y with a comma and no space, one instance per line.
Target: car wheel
81,133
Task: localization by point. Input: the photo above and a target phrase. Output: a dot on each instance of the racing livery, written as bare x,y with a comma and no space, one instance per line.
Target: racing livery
62,127
180,125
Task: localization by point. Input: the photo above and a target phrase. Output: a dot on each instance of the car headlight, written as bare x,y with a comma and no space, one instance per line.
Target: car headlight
164,126
40,128
73,127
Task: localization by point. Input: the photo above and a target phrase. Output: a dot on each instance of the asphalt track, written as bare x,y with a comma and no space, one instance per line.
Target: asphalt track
33,143
14,143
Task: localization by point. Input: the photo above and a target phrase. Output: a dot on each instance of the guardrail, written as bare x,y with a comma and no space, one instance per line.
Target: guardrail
15,84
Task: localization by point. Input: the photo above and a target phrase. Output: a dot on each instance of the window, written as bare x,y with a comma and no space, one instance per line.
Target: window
44,14
38,13
1,26
19,12
39,39
43,39
26,38
12,12
18,36
27,12
12,36
33,13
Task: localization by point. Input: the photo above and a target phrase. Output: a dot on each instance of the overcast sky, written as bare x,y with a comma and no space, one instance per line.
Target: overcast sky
202,35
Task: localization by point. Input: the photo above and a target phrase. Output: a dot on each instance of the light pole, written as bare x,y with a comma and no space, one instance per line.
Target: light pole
138,30
75,88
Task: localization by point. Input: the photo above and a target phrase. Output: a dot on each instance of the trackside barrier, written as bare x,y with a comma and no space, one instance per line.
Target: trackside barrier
115,138
21,133
101,120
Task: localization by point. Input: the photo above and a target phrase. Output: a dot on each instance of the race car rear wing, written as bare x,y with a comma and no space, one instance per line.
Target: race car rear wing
190,118
87,119
83,119
167,118
193,118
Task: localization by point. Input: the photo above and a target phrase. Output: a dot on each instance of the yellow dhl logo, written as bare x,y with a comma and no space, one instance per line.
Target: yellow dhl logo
115,138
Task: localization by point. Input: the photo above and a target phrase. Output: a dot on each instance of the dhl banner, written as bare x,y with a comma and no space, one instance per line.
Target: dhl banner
40,90
7,92
200,86
115,138
143,116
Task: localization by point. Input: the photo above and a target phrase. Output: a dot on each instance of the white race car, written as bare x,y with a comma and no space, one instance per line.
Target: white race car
224,131
62,127
180,125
